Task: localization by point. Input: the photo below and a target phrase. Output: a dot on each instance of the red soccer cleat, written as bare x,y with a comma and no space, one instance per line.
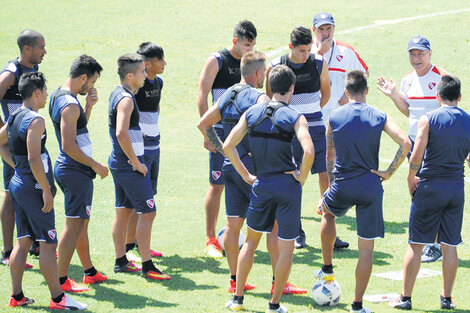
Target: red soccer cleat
87,279
23,302
290,289
233,286
67,303
156,275
27,265
155,254
71,285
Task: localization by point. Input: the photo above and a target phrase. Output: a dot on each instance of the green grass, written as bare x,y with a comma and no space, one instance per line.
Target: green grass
189,31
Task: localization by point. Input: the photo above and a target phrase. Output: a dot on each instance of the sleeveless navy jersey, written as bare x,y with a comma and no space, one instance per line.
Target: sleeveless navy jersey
306,97
357,129
17,129
448,144
272,153
59,100
118,159
12,99
231,111
148,100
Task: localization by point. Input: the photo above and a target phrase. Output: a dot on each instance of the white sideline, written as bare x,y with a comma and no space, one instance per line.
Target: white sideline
378,23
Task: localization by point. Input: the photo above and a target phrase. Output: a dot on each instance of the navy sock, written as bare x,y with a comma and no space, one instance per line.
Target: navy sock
238,299
91,271
130,246
273,306
148,266
59,298
122,260
233,277
62,280
7,255
19,296
356,305
327,269
403,298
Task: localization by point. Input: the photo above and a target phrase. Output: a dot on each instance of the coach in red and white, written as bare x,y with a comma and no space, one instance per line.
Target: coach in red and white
340,58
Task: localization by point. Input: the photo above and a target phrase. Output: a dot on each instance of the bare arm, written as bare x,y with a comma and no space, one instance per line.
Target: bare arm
209,72
33,143
418,152
91,99
389,89
230,149
4,148
124,111
330,153
268,87
397,135
68,131
301,131
209,118
324,85
7,79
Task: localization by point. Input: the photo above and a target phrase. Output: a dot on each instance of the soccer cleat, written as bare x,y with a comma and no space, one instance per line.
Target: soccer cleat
212,248
67,303
319,274
127,268
155,254
131,257
290,289
447,304
400,304
34,250
282,309
71,285
431,253
87,279
300,241
339,244
233,286
156,275
23,302
363,310
28,266
235,304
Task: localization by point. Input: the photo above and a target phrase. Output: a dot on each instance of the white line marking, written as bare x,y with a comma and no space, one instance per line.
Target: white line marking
378,23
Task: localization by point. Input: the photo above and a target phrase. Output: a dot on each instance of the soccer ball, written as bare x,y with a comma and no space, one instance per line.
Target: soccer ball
220,239
326,293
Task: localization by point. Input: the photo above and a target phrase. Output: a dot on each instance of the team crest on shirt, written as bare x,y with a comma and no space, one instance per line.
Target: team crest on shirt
52,234
150,203
88,210
431,85
339,58
216,175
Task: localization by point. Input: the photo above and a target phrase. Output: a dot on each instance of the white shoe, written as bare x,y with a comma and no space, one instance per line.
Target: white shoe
67,303
131,257
282,309
319,274
363,310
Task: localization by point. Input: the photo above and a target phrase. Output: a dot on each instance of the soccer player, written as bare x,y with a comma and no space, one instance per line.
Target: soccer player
148,101
131,181
221,71
311,92
75,167
277,188
442,145
32,51
417,96
31,192
353,139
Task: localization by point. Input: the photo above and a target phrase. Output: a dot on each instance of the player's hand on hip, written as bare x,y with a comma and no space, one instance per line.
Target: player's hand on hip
388,88
101,170
296,175
250,179
48,200
91,97
384,175
209,146
412,185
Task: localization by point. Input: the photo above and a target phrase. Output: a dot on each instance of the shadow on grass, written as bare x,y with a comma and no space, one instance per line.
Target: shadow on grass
390,227
302,300
177,264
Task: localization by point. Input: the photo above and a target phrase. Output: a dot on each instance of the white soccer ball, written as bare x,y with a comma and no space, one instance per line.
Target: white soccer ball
220,239
326,293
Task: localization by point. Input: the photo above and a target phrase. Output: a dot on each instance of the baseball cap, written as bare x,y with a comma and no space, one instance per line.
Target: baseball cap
323,18
419,42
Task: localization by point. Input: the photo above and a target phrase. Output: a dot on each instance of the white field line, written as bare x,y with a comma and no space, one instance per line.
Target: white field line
378,23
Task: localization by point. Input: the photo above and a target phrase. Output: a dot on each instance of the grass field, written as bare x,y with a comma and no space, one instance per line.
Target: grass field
189,31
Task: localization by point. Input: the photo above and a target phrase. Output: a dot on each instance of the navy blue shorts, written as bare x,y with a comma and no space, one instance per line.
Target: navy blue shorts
275,198
152,161
216,162
133,191
78,192
237,192
319,143
366,193
437,210
26,198
8,173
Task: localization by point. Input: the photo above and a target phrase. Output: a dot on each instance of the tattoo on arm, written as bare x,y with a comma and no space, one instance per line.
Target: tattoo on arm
215,140
330,165
414,167
396,161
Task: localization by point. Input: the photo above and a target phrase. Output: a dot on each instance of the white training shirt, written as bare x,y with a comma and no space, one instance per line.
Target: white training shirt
341,58
420,94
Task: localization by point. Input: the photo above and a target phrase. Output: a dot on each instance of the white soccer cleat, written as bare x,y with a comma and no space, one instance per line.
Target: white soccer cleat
67,303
